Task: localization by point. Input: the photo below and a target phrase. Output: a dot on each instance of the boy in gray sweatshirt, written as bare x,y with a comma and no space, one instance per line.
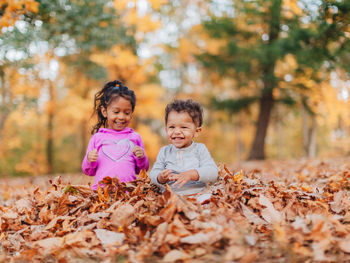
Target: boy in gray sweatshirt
185,165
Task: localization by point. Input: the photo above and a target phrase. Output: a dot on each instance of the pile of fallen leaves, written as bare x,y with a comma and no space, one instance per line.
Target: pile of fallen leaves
291,212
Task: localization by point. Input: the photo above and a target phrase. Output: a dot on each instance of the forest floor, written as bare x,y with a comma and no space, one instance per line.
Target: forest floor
262,211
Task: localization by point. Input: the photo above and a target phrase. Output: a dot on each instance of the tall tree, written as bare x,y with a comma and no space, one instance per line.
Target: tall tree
260,33
69,32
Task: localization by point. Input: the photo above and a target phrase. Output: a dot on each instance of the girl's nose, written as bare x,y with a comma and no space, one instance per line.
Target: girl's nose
121,115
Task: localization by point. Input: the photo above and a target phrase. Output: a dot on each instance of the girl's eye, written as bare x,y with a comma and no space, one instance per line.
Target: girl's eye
127,113
171,127
116,112
183,127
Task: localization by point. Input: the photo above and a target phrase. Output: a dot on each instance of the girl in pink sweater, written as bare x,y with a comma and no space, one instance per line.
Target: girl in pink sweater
114,149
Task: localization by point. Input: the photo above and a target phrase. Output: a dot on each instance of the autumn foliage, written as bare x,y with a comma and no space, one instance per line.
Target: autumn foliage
287,211
55,55
14,8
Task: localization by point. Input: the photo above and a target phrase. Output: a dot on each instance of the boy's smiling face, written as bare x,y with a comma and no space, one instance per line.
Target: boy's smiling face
181,129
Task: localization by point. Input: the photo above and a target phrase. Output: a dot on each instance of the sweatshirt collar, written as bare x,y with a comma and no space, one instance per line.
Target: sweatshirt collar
111,131
183,149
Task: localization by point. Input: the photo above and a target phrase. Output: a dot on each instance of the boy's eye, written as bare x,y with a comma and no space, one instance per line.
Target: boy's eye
116,112
127,113
171,127
183,127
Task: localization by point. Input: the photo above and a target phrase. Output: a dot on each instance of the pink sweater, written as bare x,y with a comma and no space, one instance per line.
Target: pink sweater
115,156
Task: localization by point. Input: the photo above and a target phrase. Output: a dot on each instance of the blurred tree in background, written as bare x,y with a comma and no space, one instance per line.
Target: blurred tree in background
272,75
53,47
260,35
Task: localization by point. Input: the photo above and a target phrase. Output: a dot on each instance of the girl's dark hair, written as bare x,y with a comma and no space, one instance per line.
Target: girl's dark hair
104,97
193,108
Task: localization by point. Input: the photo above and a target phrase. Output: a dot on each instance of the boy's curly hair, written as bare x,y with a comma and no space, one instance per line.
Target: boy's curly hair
193,108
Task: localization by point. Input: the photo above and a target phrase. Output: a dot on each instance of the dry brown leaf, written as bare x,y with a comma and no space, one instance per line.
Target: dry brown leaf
200,238
49,243
345,245
251,217
175,255
23,205
123,215
109,237
270,214
73,221
234,252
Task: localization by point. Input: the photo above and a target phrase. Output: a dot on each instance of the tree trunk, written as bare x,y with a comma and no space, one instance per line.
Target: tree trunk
279,128
266,101
84,123
49,132
6,100
83,139
258,149
309,133
311,151
239,143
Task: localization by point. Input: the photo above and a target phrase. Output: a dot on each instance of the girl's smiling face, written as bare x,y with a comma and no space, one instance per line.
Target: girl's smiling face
118,113
181,129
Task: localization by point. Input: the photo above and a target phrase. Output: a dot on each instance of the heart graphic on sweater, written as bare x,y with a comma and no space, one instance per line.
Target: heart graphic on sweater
116,150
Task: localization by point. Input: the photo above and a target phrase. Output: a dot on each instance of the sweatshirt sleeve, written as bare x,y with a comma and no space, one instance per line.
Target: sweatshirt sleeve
141,163
89,168
158,166
207,171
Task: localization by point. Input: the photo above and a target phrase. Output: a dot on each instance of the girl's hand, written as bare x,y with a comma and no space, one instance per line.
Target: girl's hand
92,155
182,178
163,177
138,152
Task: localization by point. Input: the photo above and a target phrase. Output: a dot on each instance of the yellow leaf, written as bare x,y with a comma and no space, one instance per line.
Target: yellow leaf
280,234
301,177
103,24
143,24
32,6
214,46
156,4
306,188
121,4
186,49
238,176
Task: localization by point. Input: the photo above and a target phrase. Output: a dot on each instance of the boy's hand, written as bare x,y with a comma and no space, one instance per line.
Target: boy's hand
138,152
163,176
92,155
182,178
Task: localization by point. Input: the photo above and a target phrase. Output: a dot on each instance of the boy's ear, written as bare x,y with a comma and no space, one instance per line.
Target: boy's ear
104,111
198,131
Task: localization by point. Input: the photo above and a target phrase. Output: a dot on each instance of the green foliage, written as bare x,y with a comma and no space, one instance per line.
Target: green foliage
234,105
70,28
312,36
287,100
311,42
220,27
88,67
83,24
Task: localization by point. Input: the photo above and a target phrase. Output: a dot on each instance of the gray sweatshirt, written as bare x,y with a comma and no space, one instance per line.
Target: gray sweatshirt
196,156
